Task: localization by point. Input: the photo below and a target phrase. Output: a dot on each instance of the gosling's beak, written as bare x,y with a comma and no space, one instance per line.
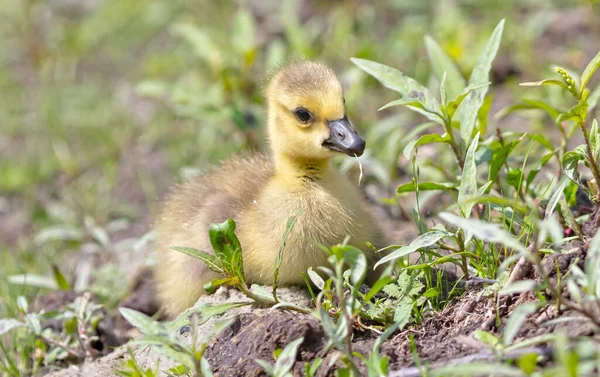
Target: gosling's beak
344,138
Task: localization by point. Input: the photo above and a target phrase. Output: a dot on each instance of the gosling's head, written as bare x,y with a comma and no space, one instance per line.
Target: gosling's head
307,113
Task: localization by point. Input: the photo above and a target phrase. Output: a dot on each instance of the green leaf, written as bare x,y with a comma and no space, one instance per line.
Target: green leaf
424,240
378,286
33,322
516,319
486,337
286,360
425,186
468,183
594,98
570,165
227,248
59,278
425,139
499,157
469,108
211,261
8,324
205,368
589,71
203,313
485,231
569,218
409,88
453,105
316,278
358,264
145,324
441,63
554,199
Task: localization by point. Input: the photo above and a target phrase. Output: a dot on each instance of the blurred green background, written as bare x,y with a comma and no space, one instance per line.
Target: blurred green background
105,103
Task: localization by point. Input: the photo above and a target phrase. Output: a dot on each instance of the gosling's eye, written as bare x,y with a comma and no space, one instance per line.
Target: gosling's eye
303,115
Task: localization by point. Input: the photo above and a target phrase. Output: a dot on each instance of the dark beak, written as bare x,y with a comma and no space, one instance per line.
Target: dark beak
344,138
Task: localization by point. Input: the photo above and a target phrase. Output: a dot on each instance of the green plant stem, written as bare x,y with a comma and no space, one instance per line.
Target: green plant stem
590,155
54,343
449,248
461,246
266,303
339,288
455,148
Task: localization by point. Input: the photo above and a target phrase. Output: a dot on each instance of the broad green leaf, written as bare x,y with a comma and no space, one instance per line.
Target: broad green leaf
261,291
499,157
516,320
358,264
227,248
485,231
211,261
424,240
589,71
441,63
570,165
468,109
425,186
425,139
316,278
145,324
403,311
287,358
453,105
406,86
7,324
378,286
205,368
468,183
486,337
203,313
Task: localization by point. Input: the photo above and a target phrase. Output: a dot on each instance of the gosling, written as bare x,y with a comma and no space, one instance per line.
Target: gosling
307,126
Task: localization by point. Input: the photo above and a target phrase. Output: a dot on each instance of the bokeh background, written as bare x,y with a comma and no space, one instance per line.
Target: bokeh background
106,103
